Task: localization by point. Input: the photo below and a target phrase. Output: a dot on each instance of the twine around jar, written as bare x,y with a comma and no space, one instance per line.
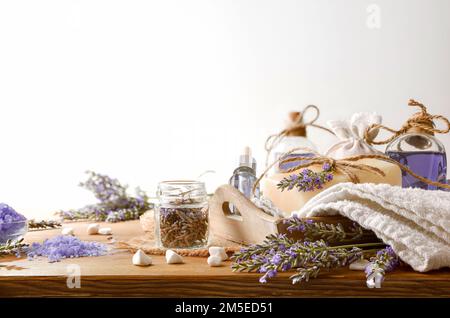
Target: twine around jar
298,126
347,166
421,121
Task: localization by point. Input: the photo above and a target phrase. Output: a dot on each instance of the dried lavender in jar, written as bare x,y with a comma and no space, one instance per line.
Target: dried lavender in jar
182,214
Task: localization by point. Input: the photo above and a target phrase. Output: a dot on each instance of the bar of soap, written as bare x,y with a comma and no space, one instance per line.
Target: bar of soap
293,200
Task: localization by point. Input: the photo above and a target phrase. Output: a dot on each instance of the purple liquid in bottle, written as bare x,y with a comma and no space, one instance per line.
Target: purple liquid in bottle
431,165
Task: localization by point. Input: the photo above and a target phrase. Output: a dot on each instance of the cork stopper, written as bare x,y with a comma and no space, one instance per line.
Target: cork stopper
295,125
422,122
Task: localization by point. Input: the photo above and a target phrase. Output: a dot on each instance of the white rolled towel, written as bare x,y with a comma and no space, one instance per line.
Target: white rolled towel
414,222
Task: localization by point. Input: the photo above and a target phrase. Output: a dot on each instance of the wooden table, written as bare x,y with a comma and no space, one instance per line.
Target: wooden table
115,276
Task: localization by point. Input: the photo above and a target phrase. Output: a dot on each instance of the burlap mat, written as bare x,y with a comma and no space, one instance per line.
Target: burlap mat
147,242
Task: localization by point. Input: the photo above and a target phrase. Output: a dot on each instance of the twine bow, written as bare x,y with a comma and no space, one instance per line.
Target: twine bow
348,166
273,140
421,121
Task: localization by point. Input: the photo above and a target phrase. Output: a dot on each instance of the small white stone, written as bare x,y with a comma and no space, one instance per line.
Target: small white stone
105,231
359,265
141,259
173,258
214,261
218,251
67,231
374,280
93,228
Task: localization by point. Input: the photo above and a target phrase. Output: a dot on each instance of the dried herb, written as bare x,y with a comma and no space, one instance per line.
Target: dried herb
114,205
13,248
280,254
43,225
313,230
183,227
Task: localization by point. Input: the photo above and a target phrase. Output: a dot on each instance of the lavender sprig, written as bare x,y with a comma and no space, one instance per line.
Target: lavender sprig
43,225
13,248
383,262
114,205
279,253
319,230
307,180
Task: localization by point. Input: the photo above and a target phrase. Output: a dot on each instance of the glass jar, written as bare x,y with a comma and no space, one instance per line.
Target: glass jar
182,214
287,144
424,154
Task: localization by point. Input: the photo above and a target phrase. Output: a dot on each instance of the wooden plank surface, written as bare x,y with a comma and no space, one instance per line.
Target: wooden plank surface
114,276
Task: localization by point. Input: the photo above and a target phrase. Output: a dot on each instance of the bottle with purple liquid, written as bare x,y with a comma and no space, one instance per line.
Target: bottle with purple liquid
423,154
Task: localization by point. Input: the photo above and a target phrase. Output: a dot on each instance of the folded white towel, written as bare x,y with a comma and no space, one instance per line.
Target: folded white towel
415,222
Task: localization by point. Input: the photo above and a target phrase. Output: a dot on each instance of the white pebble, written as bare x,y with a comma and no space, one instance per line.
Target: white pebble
93,228
173,258
141,259
214,261
105,231
218,251
359,265
67,231
374,280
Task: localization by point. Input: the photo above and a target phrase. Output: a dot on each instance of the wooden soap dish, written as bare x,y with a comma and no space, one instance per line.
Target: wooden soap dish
252,225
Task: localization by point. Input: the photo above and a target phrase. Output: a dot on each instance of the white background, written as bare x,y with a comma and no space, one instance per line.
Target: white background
153,90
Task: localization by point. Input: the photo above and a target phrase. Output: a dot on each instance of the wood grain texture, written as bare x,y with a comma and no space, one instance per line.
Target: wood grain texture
114,276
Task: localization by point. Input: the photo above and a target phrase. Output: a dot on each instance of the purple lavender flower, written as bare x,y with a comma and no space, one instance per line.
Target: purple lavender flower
326,167
291,253
320,230
383,262
114,205
272,273
65,246
276,259
307,180
308,257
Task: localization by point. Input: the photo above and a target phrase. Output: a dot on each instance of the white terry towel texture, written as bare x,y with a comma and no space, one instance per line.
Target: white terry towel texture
414,222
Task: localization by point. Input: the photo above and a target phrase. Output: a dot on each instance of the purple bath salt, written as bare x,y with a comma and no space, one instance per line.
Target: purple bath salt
66,246
12,223
430,165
